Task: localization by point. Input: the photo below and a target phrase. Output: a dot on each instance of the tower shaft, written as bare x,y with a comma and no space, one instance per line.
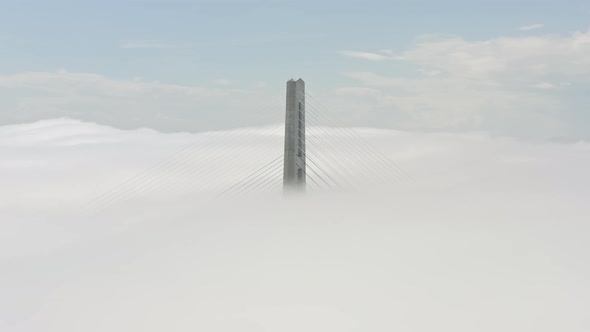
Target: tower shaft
294,173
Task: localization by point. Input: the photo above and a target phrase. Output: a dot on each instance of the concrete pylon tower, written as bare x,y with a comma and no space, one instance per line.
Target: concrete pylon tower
294,173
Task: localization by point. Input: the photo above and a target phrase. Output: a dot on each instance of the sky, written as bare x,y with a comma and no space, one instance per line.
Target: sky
517,68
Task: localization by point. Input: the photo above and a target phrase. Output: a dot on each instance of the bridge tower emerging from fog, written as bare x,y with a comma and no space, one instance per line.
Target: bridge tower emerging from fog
294,172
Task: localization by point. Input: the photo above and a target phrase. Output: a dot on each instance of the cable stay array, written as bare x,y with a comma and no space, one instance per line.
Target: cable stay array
336,158
353,150
272,170
251,160
204,164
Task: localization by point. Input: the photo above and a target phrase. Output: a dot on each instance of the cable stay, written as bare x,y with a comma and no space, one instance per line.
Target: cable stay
359,139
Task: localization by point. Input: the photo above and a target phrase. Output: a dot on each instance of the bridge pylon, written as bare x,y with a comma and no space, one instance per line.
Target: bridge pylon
294,173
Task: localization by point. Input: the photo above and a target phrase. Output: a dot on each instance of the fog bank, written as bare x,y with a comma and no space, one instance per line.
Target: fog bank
490,235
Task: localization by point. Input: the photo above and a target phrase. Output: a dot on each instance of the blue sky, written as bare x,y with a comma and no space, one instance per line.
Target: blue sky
200,41
245,44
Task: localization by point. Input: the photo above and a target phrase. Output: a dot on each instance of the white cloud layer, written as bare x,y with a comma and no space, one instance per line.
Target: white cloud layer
499,85
531,56
136,103
369,55
491,236
525,86
531,27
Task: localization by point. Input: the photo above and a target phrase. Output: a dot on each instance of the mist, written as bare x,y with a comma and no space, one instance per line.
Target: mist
490,234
